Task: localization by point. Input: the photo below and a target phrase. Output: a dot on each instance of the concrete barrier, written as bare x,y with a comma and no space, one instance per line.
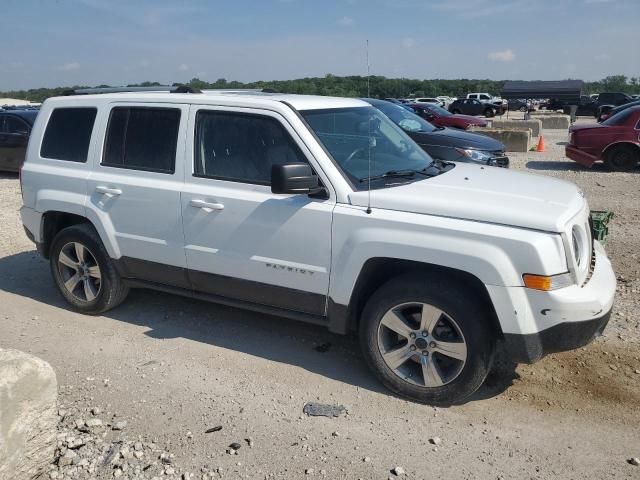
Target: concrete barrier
534,124
514,140
555,122
28,417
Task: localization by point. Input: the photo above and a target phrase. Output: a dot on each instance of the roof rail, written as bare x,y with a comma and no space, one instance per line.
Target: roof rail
159,88
239,90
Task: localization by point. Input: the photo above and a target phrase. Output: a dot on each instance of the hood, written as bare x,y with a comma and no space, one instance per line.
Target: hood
468,118
453,137
490,195
588,126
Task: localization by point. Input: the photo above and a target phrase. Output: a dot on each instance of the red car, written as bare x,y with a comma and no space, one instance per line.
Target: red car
616,141
440,117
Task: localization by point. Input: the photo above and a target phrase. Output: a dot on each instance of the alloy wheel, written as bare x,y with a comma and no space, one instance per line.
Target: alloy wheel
79,271
422,344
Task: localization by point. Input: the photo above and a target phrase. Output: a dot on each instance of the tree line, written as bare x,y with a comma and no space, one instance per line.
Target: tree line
355,86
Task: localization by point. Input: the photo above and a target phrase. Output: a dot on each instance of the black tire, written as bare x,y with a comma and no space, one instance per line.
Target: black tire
523,109
622,158
489,113
455,301
111,291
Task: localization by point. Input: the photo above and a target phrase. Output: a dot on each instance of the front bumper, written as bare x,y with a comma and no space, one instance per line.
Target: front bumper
535,323
579,156
559,338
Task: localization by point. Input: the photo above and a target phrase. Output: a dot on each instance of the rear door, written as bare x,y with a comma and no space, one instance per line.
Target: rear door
242,241
135,185
14,137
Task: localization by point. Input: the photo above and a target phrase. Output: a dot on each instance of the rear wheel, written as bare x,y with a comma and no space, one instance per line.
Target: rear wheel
622,158
523,109
84,272
427,339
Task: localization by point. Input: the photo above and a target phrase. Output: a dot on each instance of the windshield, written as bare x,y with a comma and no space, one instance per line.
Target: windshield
355,135
618,118
438,110
402,117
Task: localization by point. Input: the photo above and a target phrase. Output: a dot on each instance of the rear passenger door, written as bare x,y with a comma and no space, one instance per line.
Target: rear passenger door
134,189
242,241
14,136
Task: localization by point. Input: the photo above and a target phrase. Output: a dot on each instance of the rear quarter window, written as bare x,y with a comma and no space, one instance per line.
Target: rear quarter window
68,134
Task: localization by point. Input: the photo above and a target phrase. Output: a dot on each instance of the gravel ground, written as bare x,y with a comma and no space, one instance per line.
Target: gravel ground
174,368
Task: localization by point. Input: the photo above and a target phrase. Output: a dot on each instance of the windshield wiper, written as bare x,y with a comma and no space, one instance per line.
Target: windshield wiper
396,174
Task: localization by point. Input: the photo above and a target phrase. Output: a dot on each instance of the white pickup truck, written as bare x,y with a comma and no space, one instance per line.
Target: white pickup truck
318,209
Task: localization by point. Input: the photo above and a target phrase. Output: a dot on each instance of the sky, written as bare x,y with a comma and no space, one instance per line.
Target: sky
49,43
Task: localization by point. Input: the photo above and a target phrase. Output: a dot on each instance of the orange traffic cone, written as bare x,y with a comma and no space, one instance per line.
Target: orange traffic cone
540,147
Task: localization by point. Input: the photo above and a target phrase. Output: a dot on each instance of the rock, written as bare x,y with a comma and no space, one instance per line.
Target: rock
435,441
96,411
235,446
119,425
93,422
309,471
634,461
117,473
213,429
398,471
366,459
67,459
320,409
28,415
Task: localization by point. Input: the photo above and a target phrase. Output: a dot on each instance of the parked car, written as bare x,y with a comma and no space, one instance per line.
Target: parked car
440,117
475,107
615,141
445,143
519,105
319,209
433,101
486,98
445,100
606,112
586,106
15,127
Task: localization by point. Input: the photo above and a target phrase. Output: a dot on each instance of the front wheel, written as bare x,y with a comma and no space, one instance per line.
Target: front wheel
489,113
622,158
84,272
427,340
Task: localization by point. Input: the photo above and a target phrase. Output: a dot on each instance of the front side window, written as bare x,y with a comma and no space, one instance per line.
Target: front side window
402,117
142,138
15,125
241,147
364,143
68,134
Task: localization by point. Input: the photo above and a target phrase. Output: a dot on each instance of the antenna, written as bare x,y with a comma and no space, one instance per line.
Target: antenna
369,137
368,72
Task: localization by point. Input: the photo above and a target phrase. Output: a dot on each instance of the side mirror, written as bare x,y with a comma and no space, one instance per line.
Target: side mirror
294,178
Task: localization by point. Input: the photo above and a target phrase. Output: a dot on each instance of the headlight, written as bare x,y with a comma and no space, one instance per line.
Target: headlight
577,247
475,155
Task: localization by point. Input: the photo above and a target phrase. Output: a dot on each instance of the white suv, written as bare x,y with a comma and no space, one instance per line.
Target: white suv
318,209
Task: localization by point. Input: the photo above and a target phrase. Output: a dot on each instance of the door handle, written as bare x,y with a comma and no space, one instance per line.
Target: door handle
206,206
108,190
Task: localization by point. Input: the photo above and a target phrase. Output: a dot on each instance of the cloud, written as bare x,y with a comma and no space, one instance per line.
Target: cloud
502,55
69,67
408,42
183,67
345,21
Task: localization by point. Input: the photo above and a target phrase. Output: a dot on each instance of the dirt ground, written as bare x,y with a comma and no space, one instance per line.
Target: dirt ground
174,367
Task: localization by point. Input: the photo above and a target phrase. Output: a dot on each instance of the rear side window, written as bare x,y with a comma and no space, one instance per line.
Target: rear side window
68,134
142,138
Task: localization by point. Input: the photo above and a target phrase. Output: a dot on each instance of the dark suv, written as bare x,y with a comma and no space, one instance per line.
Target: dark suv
471,106
15,127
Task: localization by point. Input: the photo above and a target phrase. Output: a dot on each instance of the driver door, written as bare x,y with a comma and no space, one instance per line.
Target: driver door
242,241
